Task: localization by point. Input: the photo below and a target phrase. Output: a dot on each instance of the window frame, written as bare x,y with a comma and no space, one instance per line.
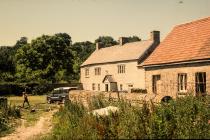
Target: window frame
99,87
200,85
130,85
182,82
121,68
155,78
87,72
93,86
97,70
121,87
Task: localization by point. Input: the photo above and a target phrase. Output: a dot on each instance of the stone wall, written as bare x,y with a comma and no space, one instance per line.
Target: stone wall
84,96
168,84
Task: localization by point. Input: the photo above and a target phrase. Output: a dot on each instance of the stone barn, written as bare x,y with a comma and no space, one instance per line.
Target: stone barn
181,63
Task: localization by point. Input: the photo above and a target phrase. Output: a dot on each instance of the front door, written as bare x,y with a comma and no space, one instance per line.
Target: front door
106,87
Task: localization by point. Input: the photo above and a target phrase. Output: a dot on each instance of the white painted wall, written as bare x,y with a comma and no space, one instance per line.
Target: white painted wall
133,75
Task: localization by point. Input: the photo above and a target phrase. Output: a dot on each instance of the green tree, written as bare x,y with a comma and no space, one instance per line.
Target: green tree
107,41
23,41
82,51
133,39
47,58
7,60
7,66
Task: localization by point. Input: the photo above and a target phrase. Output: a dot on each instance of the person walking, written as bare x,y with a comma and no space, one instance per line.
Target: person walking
25,97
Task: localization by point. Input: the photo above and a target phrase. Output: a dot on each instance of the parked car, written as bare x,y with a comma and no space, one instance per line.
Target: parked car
60,94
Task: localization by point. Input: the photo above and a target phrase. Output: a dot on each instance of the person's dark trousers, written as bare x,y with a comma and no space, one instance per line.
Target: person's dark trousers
26,101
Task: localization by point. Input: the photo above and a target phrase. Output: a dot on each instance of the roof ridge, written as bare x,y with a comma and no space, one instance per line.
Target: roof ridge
141,41
193,22
136,42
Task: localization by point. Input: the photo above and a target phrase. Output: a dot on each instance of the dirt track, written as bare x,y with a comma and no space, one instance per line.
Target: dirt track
42,126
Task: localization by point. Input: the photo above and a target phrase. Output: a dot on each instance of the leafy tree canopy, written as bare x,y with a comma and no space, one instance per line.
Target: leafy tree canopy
82,51
21,42
6,60
107,41
133,39
47,58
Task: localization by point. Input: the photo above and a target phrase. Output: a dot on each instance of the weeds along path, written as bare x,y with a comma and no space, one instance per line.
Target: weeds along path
42,126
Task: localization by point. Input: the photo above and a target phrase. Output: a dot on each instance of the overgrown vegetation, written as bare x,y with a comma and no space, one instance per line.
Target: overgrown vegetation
185,118
7,116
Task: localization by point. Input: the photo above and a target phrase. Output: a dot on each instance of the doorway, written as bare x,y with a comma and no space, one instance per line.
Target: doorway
155,83
106,87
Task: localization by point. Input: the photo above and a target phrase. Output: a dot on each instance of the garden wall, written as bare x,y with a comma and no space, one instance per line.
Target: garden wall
134,98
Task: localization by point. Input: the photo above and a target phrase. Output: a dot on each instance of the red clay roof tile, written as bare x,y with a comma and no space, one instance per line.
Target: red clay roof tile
190,41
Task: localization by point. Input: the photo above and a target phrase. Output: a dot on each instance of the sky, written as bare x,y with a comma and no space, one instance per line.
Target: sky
88,19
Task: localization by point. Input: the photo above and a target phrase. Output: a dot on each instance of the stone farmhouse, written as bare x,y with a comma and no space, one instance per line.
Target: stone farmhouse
181,63
118,68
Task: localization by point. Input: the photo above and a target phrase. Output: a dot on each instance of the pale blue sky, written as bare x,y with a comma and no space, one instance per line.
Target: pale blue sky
88,19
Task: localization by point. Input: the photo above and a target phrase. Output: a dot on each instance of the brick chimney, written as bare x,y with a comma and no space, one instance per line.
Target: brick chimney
155,36
99,45
123,40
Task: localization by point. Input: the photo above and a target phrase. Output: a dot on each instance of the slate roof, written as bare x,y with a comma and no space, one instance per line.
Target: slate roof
109,78
186,42
128,51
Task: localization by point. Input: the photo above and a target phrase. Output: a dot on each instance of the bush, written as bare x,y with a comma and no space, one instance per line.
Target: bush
11,89
97,102
184,118
31,88
138,90
8,113
42,89
18,88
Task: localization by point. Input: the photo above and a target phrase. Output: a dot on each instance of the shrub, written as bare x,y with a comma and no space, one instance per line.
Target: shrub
42,89
8,113
69,122
97,102
11,89
138,90
183,118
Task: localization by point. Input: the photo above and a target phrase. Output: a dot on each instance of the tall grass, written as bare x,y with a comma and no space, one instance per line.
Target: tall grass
7,114
185,118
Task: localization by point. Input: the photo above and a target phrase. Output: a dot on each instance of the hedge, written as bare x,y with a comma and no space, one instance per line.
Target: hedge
31,88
